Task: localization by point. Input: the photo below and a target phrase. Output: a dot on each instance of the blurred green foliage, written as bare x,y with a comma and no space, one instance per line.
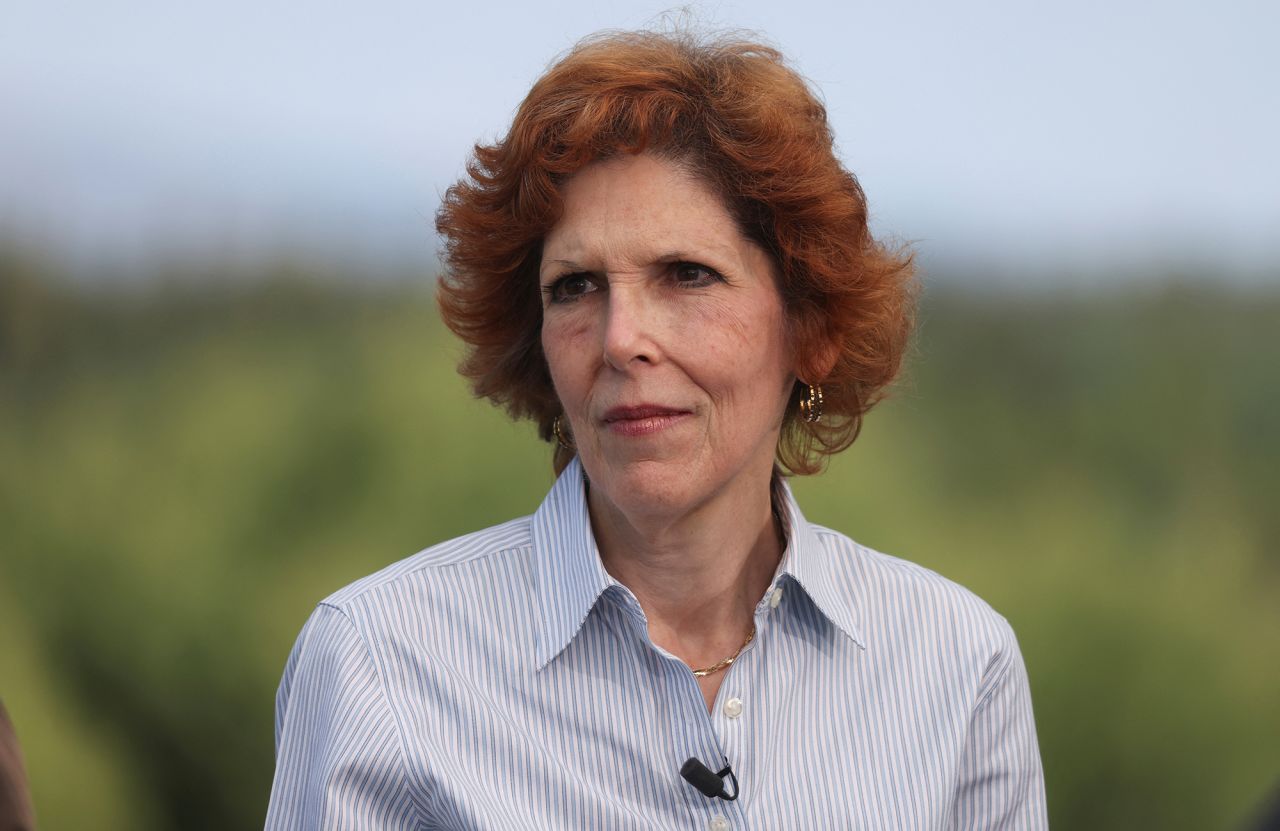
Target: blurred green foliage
186,467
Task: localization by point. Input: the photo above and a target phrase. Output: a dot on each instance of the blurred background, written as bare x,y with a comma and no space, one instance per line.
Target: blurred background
225,391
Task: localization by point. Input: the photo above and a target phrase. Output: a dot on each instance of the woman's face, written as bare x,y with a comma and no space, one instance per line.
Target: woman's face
664,332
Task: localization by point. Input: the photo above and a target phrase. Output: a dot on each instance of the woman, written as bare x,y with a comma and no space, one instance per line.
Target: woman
664,265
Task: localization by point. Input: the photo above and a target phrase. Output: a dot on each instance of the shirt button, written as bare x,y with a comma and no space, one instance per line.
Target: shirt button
775,597
718,823
733,707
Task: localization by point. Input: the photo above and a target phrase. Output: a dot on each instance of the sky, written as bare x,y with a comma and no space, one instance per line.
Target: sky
1019,139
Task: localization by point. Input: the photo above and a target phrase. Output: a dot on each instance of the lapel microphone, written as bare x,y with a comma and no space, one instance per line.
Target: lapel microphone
710,784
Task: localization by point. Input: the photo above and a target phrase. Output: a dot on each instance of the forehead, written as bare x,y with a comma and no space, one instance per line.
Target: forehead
631,205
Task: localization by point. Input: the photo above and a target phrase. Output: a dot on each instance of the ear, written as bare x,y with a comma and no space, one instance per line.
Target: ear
814,368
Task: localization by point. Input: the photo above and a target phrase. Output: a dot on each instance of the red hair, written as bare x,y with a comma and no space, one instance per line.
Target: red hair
736,116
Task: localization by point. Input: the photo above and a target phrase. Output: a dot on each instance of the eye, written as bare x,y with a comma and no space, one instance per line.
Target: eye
694,275
570,287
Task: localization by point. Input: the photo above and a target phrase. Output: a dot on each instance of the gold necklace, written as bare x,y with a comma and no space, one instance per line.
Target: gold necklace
714,668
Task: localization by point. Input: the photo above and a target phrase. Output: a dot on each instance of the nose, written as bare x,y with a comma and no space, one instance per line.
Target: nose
630,328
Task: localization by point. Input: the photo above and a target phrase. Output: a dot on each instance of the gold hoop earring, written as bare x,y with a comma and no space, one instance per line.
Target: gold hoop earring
564,441
811,405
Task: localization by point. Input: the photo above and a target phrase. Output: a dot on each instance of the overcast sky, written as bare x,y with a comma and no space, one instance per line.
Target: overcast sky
1020,136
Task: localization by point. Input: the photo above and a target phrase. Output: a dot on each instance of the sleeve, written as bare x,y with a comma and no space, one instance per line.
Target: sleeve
339,762
16,813
1000,780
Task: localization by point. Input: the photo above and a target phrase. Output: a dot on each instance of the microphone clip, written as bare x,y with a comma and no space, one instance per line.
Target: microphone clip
708,783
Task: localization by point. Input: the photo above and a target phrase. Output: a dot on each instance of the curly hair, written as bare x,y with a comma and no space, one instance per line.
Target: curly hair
733,113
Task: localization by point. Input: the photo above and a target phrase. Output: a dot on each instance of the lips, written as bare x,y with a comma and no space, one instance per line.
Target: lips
640,411
642,419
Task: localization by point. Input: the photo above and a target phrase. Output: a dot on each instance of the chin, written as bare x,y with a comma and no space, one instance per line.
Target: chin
645,486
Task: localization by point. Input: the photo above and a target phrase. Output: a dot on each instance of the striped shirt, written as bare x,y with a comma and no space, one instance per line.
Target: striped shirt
504,680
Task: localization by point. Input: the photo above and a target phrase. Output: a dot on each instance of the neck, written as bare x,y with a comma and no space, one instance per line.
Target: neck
699,574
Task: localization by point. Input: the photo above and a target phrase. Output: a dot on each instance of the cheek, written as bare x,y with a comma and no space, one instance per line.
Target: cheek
714,328
739,351
744,336
564,344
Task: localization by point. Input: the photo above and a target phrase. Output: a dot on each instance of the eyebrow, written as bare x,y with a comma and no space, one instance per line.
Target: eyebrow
568,265
673,256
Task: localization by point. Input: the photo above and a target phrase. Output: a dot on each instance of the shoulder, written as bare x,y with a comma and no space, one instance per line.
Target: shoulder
417,600
455,558
896,599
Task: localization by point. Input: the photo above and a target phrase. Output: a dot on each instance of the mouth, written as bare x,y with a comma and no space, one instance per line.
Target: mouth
642,419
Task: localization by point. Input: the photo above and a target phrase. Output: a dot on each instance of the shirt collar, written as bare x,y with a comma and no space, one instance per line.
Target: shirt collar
570,576
810,564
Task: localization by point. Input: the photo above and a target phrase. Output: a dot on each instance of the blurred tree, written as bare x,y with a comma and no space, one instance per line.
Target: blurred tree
187,466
